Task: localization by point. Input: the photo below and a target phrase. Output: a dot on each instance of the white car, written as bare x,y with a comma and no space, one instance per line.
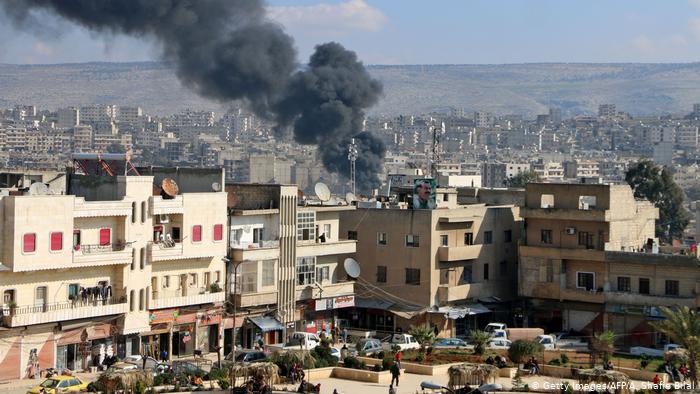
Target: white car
335,353
369,346
499,344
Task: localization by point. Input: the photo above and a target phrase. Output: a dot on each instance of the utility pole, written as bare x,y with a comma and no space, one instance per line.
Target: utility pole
352,156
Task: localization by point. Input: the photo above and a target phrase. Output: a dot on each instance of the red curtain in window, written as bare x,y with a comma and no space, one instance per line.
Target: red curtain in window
218,232
56,241
196,233
29,243
105,236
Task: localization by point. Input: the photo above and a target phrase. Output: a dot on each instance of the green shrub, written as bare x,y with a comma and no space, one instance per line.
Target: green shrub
94,387
377,368
387,362
379,355
564,358
643,364
522,349
140,387
420,357
354,363
323,356
554,362
217,374
224,384
163,379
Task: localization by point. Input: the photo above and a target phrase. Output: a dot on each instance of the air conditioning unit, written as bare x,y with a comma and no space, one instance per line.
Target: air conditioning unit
571,230
163,218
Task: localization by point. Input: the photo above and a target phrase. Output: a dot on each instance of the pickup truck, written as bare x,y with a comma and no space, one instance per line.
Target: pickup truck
651,352
514,334
491,327
403,341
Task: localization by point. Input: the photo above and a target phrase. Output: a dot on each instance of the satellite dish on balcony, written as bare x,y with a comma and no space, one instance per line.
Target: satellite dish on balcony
168,189
350,198
216,187
322,192
352,267
38,189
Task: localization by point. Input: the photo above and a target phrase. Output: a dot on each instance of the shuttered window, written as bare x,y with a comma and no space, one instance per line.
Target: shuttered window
218,232
105,236
196,233
29,243
56,241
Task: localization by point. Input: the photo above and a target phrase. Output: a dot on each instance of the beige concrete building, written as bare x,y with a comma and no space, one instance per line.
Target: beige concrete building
289,263
109,268
590,262
448,265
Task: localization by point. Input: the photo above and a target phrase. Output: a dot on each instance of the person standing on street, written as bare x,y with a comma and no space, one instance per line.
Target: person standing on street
395,373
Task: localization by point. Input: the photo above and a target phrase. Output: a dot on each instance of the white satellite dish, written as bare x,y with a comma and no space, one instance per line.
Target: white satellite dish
350,198
216,187
322,192
38,189
352,267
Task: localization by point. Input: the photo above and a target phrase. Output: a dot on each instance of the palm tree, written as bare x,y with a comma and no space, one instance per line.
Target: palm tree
604,343
480,339
683,327
423,335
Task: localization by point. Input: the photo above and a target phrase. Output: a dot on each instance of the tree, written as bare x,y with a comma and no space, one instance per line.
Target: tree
522,179
604,343
683,327
424,335
480,339
656,184
522,349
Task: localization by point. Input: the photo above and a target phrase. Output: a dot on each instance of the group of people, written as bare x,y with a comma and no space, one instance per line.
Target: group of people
334,333
677,374
533,365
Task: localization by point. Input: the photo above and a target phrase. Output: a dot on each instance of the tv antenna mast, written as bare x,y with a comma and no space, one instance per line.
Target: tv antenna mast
435,156
352,156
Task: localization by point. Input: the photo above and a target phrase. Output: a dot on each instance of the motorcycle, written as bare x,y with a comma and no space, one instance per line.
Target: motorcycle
50,372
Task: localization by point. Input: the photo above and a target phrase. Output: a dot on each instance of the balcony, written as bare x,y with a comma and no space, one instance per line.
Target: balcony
623,298
195,299
265,250
62,311
329,248
255,299
448,293
591,215
582,295
162,251
561,253
309,292
456,253
109,254
159,206
89,209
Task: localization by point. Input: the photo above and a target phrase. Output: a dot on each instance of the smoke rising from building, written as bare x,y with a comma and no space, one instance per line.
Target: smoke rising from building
228,50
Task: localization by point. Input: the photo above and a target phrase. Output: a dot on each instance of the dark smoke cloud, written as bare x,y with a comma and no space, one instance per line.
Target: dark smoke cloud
228,50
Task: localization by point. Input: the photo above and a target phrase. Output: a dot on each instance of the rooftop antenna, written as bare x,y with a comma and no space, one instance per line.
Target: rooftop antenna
322,192
435,157
352,156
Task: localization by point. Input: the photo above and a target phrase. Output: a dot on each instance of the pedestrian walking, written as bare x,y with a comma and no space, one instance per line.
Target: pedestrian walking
395,373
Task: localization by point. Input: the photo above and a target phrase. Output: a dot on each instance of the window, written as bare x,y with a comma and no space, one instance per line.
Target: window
488,237
177,237
546,236
467,274
624,284
236,235
76,239
40,297
486,271
141,299
306,271
142,260
56,241
29,243
218,232
158,234
306,226
412,241
381,238
73,290
644,285
327,230
193,280
507,236
586,202
247,281
585,280
381,274
268,273
323,274
217,276
197,233
547,201
133,212
258,235
445,197
444,240
143,212
8,296
585,239
132,300
105,236
550,271
672,288
503,268
469,238
413,276
166,281
352,235
207,279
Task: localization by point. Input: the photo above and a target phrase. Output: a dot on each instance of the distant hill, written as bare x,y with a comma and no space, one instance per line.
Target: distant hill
526,89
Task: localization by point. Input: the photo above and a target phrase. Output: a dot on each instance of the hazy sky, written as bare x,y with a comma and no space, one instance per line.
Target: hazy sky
432,32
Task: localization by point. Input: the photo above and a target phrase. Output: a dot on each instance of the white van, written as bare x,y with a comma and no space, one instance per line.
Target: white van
305,340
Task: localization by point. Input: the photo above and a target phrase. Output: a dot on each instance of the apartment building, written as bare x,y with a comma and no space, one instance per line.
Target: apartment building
590,262
453,267
288,263
110,267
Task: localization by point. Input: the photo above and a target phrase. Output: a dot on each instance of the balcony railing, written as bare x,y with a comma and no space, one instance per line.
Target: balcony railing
265,244
62,311
107,254
57,306
100,248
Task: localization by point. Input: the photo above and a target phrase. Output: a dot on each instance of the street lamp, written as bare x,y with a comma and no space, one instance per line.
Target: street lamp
235,265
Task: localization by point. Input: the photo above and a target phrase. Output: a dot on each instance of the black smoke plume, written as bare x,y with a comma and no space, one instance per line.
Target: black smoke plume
228,50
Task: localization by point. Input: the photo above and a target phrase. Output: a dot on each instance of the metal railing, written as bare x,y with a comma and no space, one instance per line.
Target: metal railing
58,306
271,243
100,248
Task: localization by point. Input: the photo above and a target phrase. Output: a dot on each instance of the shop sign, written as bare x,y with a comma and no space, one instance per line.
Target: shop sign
335,303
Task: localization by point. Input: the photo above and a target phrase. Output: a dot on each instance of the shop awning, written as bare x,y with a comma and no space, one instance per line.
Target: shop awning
460,311
157,329
372,303
476,309
266,323
98,331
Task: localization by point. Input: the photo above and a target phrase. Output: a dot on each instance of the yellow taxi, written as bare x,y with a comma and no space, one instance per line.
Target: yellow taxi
59,384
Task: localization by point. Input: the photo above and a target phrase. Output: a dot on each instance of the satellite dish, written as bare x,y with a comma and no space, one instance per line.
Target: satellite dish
216,187
322,192
350,198
38,189
352,267
168,189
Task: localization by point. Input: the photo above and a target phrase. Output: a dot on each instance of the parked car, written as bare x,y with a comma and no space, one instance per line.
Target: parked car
651,352
335,352
369,346
491,327
247,356
121,366
188,368
450,343
403,341
499,344
61,383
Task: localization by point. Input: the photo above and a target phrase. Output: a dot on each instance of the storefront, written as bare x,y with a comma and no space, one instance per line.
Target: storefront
208,334
267,328
229,328
323,315
71,350
183,340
